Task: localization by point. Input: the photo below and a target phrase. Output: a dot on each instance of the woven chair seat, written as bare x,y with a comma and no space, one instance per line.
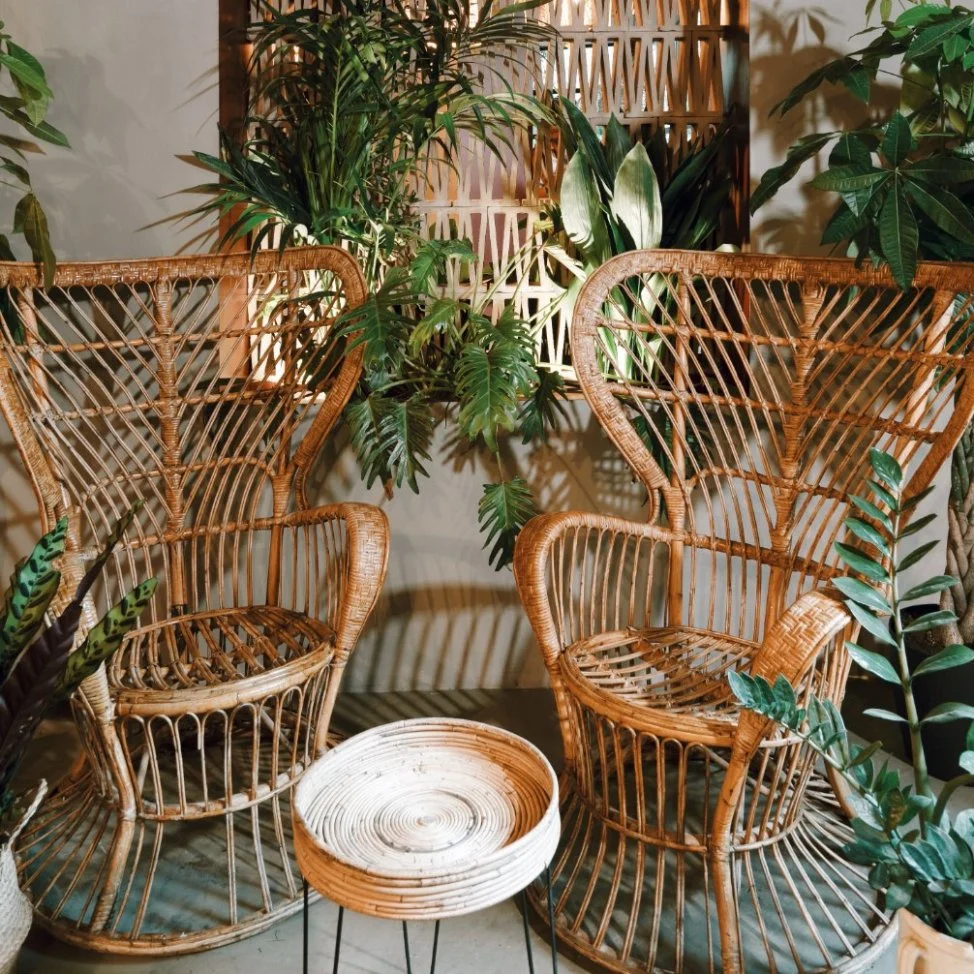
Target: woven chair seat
212,648
426,819
672,670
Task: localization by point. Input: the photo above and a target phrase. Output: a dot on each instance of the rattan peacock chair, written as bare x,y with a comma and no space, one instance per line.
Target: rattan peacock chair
744,392
203,387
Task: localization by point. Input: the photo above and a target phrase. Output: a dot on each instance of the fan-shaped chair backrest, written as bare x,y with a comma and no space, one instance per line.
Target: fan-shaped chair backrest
202,387
745,391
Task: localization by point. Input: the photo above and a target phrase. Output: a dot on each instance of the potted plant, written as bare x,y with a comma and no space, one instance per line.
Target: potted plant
906,192
920,859
39,666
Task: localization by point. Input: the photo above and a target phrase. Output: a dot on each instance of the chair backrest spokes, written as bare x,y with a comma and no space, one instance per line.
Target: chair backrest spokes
745,391
200,387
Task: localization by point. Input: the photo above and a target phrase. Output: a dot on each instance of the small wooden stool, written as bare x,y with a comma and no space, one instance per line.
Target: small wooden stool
424,820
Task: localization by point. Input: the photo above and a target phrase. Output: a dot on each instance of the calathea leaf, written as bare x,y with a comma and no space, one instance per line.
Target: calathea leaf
106,637
32,587
636,200
503,510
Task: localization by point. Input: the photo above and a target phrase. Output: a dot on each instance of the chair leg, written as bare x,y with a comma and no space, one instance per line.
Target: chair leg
436,940
304,917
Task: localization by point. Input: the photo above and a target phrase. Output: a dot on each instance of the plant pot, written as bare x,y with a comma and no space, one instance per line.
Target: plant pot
15,909
942,743
922,950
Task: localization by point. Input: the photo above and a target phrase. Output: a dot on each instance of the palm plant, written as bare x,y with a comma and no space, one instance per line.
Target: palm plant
353,112
39,665
26,110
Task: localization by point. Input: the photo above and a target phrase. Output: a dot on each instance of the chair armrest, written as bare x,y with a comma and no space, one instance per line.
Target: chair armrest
580,574
347,547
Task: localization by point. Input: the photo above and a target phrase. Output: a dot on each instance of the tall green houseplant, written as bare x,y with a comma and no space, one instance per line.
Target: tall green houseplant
905,186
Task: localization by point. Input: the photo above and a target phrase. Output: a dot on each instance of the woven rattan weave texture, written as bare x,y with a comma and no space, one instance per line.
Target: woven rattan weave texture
204,388
744,391
426,819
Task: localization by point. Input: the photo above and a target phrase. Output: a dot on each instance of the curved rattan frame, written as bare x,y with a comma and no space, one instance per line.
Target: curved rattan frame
695,837
179,382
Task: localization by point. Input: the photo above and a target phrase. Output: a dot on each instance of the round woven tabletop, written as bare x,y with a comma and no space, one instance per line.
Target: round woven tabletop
426,819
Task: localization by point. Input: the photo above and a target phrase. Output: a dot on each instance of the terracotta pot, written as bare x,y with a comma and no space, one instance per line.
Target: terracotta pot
921,950
15,909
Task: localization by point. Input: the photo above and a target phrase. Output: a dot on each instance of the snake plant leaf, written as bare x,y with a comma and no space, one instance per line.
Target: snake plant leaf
503,510
32,587
106,637
581,211
636,202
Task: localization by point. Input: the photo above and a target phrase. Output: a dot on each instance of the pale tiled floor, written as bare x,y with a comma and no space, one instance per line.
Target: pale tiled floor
491,942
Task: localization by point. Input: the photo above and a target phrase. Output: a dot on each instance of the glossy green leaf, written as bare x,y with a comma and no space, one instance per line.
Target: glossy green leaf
31,221
871,510
636,202
943,170
898,142
581,210
862,563
863,594
873,662
618,143
899,237
932,37
849,179
916,556
931,586
945,712
503,510
886,468
875,626
931,620
944,209
946,659
880,714
866,532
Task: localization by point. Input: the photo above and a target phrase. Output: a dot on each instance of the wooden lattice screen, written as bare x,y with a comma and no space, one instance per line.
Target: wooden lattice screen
676,64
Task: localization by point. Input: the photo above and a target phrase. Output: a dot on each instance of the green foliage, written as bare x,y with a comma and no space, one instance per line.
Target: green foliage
504,509
39,665
917,857
356,106
27,110
906,183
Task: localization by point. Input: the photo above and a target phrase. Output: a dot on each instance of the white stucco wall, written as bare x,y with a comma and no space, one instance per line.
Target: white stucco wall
136,88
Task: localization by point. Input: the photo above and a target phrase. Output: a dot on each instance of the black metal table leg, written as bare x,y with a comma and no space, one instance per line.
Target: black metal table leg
436,940
551,920
527,930
338,938
305,966
405,940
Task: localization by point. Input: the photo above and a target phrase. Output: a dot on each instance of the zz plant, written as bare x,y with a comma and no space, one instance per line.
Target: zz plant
917,856
39,665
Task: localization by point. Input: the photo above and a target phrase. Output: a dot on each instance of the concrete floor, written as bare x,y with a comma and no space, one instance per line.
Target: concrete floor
491,942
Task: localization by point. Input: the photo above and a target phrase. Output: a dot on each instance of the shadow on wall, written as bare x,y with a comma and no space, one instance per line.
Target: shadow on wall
788,42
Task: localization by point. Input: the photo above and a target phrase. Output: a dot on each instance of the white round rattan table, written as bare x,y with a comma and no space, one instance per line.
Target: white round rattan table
426,819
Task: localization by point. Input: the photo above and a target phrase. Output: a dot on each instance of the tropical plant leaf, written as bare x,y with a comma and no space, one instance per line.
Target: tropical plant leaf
618,143
503,510
581,210
106,637
863,594
406,429
34,583
946,659
365,416
898,142
540,412
886,468
31,221
899,237
636,202
873,662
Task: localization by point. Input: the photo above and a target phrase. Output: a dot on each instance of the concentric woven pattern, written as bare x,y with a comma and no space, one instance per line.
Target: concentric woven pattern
426,818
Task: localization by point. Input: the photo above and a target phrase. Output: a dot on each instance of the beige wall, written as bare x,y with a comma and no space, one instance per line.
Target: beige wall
136,86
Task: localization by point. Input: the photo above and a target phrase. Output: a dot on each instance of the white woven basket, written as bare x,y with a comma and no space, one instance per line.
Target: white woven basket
15,909
426,819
